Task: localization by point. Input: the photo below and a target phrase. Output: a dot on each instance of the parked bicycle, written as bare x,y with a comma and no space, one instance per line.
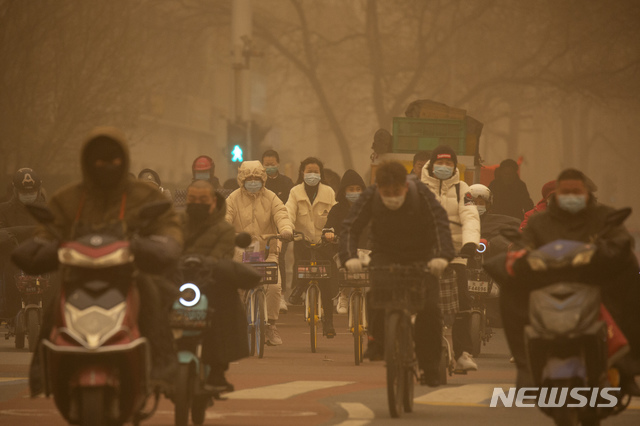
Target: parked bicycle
401,290
358,283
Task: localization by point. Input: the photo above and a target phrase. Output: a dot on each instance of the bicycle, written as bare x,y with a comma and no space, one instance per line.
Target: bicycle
312,270
255,301
358,282
401,291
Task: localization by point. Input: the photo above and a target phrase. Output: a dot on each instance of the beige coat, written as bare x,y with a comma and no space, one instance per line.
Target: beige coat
257,214
308,217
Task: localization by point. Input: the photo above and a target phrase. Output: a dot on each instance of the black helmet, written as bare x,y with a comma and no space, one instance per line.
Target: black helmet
149,175
26,180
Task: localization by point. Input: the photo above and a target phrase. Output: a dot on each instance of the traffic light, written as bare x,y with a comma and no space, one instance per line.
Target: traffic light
236,141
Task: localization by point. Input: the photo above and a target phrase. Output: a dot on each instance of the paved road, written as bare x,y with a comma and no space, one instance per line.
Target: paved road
292,386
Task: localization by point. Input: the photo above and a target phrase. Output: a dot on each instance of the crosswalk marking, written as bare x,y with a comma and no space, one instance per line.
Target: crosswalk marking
357,414
11,379
284,390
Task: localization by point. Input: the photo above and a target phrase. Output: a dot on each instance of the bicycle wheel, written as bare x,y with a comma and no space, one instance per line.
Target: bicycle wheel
312,295
409,365
356,315
251,331
393,353
260,323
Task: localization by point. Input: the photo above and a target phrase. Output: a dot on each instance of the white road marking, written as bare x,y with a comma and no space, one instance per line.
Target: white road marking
357,414
11,379
284,390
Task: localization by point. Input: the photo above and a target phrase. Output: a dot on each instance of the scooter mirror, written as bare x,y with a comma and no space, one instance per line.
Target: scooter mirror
617,217
243,240
154,210
40,213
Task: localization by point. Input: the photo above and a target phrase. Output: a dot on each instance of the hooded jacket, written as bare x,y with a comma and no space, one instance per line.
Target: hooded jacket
214,237
310,217
258,214
84,207
339,212
464,220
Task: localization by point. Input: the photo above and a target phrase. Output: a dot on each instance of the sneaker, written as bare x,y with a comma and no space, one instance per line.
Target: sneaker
295,298
465,362
283,306
343,304
272,335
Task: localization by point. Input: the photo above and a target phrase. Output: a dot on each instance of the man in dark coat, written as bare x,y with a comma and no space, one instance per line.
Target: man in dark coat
208,234
408,225
109,200
510,194
574,215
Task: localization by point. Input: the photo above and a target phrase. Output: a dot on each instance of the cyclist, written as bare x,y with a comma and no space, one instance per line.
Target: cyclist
442,177
254,209
151,176
309,204
351,187
408,225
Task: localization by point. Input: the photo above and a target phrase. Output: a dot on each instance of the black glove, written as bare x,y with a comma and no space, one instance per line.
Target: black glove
155,254
468,250
36,256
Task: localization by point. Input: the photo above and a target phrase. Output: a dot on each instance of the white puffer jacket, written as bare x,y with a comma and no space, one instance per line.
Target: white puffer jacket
308,217
464,220
257,214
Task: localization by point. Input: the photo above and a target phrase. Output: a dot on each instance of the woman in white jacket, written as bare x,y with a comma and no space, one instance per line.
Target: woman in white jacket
309,204
442,177
254,209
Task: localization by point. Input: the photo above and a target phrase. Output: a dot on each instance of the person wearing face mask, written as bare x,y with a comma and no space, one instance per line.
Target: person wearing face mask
351,187
151,176
281,185
309,204
16,225
408,225
419,160
207,233
574,215
442,177
257,211
109,200
510,193
547,190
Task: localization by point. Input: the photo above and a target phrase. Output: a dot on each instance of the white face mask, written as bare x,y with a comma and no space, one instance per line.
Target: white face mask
481,210
28,198
393,203
312,179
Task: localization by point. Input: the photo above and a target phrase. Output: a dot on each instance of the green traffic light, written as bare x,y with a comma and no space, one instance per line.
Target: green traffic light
236,154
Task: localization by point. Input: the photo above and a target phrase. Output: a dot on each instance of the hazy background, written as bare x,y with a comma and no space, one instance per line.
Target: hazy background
554,81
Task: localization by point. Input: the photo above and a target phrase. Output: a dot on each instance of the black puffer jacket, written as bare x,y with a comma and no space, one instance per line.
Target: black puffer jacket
339,212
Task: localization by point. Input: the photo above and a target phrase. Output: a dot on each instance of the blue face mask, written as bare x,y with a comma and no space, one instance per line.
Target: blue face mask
352,197
202,176
312,179
271,170
253,186
442,172
572,203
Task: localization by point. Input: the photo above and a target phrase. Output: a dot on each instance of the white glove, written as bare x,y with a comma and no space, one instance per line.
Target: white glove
437,266
287,235
353,265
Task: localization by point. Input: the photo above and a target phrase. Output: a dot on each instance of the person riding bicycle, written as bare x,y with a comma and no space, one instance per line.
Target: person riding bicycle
309,204
254,209
151,176
108,200
351,187
16,225
442,177
408,226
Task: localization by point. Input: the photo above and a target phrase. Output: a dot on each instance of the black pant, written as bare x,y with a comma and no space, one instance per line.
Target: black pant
427,329
461,331
282,267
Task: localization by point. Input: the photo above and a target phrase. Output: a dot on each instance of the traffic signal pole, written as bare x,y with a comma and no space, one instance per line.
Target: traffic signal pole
241,39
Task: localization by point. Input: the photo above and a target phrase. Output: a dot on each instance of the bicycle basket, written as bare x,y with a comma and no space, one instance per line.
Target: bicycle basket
399,287
320,269
353,279
267,270
31,284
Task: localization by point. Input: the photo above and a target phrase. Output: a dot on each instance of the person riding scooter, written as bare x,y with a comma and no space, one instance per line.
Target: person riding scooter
108,200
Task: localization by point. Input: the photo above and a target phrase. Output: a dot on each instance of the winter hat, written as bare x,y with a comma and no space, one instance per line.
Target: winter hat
440,152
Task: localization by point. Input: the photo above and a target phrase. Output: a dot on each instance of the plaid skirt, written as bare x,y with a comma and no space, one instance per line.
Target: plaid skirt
448,303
